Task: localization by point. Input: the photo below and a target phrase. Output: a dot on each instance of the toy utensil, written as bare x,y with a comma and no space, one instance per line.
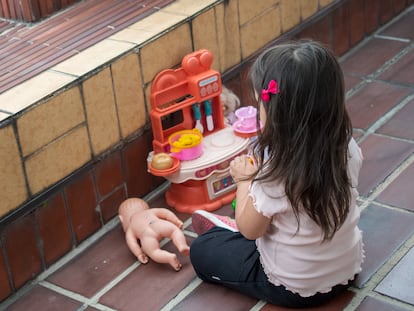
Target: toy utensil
209,117
197,117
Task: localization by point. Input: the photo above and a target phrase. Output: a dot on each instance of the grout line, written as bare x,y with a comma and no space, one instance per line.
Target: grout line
258,306
391,177
64,292
391,38
182,294
384,118
369,289
111,284
95,298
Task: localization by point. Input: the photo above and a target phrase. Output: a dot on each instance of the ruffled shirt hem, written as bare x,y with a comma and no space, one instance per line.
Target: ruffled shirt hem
321,290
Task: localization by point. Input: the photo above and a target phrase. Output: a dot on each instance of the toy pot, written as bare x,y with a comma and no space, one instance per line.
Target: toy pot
186,144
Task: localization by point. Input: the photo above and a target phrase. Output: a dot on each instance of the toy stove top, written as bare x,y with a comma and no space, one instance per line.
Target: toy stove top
219,148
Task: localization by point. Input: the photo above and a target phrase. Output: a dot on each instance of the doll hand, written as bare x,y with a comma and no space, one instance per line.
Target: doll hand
242,167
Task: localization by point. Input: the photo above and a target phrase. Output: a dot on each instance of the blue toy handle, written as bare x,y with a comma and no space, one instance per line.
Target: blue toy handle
209,115
196,111
207,107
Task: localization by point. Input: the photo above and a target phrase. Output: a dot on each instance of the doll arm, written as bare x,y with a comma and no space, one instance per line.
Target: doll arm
166,214
134,247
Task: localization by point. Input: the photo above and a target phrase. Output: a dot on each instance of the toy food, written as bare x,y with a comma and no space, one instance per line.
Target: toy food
162,161
186,144
187,140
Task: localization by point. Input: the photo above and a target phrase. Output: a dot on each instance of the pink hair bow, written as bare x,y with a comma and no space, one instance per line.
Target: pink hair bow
271,89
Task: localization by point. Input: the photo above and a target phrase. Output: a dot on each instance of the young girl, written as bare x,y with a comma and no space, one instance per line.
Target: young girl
296,242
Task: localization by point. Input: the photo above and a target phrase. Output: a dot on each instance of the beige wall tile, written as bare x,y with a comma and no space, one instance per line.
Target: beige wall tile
249,9
47,121
135,36
205,35
40,86
147,94
308,8
290,12
4,116
323,3
93,57
261,30
129,94
12,185
228,34
188,7
165,52
58,159
158,22
101,111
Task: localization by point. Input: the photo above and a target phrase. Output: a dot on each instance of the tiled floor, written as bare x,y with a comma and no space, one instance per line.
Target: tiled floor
103,275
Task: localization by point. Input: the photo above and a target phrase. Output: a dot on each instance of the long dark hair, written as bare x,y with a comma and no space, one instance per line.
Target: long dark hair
307,131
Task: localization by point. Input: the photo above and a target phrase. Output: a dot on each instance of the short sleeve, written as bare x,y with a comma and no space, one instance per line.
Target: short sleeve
268,198
355,159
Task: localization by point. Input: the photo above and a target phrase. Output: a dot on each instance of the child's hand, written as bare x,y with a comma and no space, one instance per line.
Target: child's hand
242,167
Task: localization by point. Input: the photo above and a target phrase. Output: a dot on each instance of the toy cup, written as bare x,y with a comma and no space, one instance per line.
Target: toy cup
246,117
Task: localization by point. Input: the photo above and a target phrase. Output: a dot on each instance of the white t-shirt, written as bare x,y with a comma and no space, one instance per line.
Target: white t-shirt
297,259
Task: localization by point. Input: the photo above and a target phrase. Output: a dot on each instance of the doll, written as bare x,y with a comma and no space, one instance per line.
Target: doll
150,225
230,104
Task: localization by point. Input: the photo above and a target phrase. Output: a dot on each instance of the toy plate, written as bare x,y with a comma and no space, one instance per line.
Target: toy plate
242,132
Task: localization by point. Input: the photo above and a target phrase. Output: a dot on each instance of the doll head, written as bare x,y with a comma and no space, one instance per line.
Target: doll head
230,103
128,208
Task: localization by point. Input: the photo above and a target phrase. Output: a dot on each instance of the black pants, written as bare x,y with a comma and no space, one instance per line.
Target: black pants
227,258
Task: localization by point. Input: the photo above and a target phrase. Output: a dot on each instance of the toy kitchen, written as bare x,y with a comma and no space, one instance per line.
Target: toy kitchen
188,124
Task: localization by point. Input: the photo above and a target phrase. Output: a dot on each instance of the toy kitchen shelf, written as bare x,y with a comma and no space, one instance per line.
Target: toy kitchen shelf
187,98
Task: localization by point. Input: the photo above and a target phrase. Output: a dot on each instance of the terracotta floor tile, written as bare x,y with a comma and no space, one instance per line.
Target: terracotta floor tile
214,297
373,101
373,304
402,28
54,228
370,56
357,21
82,201
108,173
150,286
5,289
40,298
400,191
109,206
21,246
399,282
350,82
401,71
95,267
137,175
382,155
384,230
337,304
401,124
